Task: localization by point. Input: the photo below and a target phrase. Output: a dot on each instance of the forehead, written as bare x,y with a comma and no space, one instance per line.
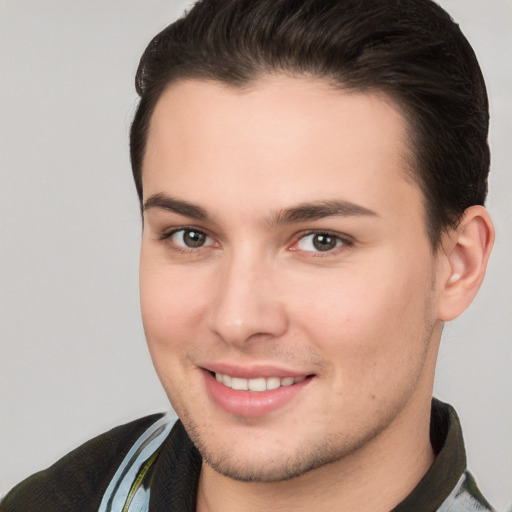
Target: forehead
281,139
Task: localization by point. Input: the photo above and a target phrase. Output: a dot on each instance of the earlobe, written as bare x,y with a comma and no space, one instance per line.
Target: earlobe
466,252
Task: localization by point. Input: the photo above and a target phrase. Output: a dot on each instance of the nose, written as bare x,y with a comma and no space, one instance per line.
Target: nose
246,304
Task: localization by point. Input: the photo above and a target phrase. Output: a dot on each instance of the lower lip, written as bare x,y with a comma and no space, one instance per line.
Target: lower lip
248,403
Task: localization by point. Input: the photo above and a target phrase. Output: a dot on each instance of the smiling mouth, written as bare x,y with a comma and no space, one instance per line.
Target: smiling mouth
258,384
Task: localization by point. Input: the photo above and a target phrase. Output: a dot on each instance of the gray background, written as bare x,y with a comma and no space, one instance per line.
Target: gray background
73,357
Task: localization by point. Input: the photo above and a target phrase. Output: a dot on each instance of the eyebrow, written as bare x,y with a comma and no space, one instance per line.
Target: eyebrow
319,210
301,213
171,204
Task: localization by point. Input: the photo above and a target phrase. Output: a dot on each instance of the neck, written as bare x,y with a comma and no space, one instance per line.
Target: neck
375,477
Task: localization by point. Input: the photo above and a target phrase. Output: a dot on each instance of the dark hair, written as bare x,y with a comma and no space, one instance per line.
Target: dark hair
411,50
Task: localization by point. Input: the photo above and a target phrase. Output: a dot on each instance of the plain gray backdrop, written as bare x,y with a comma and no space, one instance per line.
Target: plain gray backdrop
73,356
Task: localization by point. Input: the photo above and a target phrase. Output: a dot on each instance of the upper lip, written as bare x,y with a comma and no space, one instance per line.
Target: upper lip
253,371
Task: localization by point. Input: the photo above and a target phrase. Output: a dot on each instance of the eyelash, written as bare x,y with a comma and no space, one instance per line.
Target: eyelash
342,241
166,237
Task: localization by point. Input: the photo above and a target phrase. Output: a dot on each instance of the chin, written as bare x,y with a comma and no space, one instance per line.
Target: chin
274,461
265,471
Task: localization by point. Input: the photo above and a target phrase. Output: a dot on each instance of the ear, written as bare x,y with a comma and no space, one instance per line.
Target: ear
465,252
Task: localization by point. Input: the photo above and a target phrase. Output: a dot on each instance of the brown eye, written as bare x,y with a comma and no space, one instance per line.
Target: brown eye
324,242
319,242
190,238
193,238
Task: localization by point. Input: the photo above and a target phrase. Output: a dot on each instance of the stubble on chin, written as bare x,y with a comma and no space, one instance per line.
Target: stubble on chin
235,465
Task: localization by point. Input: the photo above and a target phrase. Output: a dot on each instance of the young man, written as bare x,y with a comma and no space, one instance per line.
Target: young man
312,176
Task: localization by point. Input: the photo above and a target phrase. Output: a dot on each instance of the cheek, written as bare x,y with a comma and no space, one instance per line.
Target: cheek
173,302
173,306
370,322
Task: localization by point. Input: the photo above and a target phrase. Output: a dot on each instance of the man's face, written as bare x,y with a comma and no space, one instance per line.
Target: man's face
285,250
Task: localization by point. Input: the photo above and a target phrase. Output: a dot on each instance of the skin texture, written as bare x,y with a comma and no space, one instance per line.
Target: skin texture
362,320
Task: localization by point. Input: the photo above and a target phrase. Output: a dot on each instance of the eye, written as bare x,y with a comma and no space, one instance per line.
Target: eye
189,238
319,242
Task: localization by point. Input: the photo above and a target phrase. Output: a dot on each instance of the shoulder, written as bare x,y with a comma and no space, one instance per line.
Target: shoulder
78,480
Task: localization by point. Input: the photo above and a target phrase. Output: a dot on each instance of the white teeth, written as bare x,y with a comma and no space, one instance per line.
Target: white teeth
257,385
273,383
240,384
